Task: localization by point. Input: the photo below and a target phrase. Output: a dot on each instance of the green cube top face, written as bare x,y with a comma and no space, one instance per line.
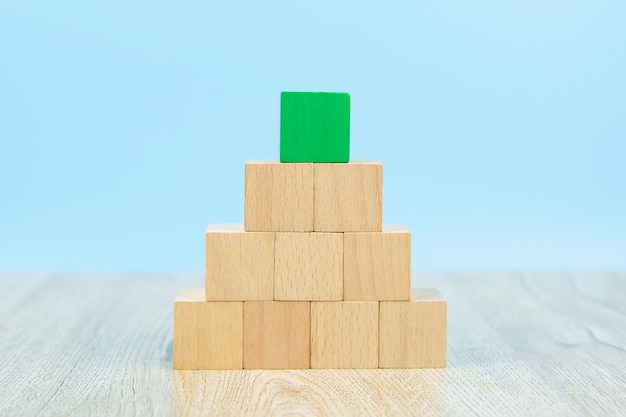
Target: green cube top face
314,127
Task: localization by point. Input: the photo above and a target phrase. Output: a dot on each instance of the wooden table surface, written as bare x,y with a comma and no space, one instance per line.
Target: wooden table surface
518,344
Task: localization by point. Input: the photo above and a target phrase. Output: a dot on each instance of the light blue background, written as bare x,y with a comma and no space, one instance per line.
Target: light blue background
124,126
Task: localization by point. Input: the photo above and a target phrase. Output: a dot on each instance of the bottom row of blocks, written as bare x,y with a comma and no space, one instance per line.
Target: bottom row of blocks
301,335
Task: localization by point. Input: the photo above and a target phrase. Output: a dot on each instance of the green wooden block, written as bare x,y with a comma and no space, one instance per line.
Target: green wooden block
314,127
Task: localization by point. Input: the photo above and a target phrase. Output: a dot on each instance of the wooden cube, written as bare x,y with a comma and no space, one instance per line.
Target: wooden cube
277,335
413,334
239,265
377,265
344,334
207,335
309,266
278,197
314,127
349,197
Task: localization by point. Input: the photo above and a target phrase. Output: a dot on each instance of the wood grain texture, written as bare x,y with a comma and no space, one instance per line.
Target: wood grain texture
207,335
344,335
413,333
377,265
278,197
239,265
349,197
277,335
524,344
309,266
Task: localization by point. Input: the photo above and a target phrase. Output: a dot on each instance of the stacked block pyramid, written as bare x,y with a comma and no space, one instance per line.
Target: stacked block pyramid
312,278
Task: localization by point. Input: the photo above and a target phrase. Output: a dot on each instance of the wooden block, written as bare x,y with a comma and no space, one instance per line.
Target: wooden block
413,334
377,265
314,127
207,335
344,334
277,335
349,197
239,265
309,266
278,197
